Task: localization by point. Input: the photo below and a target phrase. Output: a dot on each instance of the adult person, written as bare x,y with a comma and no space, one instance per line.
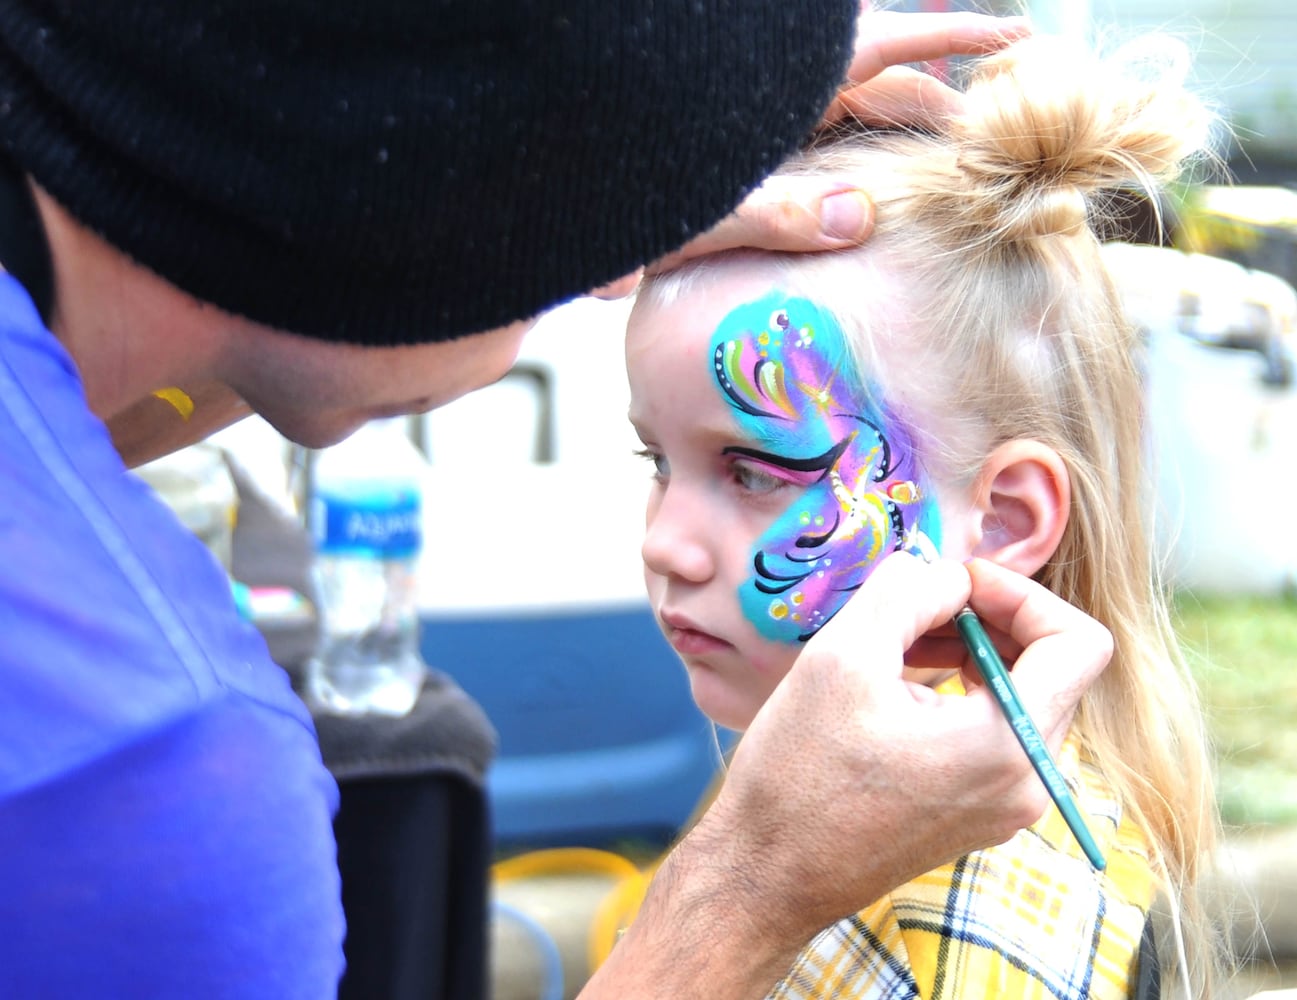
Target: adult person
325,213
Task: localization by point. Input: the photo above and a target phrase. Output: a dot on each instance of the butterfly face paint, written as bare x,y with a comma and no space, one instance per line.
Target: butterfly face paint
783,366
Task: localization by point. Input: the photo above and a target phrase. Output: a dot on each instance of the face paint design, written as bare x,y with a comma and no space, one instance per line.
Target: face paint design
782,364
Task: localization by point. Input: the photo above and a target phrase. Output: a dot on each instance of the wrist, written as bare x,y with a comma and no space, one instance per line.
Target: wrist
750,869
708,927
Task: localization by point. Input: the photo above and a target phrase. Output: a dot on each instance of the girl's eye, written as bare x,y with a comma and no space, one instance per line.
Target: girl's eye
756,478
661,469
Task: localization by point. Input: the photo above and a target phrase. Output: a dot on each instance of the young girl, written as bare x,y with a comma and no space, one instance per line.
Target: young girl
964,384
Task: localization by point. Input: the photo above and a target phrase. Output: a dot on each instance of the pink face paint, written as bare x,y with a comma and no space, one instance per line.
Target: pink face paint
782,364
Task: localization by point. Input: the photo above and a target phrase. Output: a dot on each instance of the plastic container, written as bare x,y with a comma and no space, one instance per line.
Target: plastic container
365,517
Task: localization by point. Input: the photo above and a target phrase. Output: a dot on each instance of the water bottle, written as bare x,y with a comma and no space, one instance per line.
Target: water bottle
366,523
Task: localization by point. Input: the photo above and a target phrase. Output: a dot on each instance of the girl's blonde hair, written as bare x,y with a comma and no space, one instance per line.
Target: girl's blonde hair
1012,329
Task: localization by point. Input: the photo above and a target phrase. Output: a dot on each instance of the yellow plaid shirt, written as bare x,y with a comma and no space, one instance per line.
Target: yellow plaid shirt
1027,919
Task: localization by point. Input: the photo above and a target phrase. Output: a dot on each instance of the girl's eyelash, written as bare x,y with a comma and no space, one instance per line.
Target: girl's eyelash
656,458
755,477
752,475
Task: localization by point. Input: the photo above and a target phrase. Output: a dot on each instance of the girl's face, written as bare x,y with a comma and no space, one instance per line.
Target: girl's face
780,482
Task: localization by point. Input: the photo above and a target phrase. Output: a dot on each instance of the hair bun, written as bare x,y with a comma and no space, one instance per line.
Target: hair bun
1047,123
1048,211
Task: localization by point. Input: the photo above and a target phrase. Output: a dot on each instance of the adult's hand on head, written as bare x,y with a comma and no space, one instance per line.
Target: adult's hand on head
785,213
808,214
882,90
852,781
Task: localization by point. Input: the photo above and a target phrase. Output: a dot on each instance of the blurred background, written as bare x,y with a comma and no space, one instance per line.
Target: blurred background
530,587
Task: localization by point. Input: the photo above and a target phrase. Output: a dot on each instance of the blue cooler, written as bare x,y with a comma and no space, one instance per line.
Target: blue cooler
599,738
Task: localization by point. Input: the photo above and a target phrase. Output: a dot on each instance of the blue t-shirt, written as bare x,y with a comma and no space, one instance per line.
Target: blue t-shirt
165,818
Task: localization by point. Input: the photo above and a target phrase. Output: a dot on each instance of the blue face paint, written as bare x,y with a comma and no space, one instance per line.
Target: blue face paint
782,364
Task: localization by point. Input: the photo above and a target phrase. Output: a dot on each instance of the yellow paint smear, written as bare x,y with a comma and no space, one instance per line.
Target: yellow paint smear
179,399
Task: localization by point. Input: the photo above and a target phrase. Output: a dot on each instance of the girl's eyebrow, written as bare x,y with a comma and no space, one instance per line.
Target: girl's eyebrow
711,430
820,463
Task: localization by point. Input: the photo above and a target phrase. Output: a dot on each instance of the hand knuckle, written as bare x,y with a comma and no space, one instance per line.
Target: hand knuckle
781,215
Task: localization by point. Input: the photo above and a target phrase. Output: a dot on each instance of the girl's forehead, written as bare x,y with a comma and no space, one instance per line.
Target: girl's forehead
840,314
702,299
859,284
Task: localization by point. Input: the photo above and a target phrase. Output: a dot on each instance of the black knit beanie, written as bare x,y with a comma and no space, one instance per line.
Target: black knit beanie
405,171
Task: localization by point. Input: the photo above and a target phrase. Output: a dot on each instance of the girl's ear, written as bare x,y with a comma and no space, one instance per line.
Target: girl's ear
1024,498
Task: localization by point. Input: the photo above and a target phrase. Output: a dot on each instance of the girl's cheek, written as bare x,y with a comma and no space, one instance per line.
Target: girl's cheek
772,659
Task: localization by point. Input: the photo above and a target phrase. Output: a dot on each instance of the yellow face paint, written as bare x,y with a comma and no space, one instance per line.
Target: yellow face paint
179,399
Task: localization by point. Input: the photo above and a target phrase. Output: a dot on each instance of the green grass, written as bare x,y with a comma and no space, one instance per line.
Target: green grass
1243,651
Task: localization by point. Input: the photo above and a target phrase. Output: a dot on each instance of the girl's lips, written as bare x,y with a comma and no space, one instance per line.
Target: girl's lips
689,640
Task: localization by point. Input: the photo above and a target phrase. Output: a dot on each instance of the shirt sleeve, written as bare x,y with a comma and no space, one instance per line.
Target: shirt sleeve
183,864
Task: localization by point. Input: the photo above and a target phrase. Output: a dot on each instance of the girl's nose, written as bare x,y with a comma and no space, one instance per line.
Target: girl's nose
677,536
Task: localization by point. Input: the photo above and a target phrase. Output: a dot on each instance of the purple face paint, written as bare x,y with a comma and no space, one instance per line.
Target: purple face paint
782,364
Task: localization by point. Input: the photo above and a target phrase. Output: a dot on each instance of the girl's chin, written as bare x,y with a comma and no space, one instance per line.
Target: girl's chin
720,702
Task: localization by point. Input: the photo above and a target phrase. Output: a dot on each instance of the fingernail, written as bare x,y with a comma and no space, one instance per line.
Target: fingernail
845,215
